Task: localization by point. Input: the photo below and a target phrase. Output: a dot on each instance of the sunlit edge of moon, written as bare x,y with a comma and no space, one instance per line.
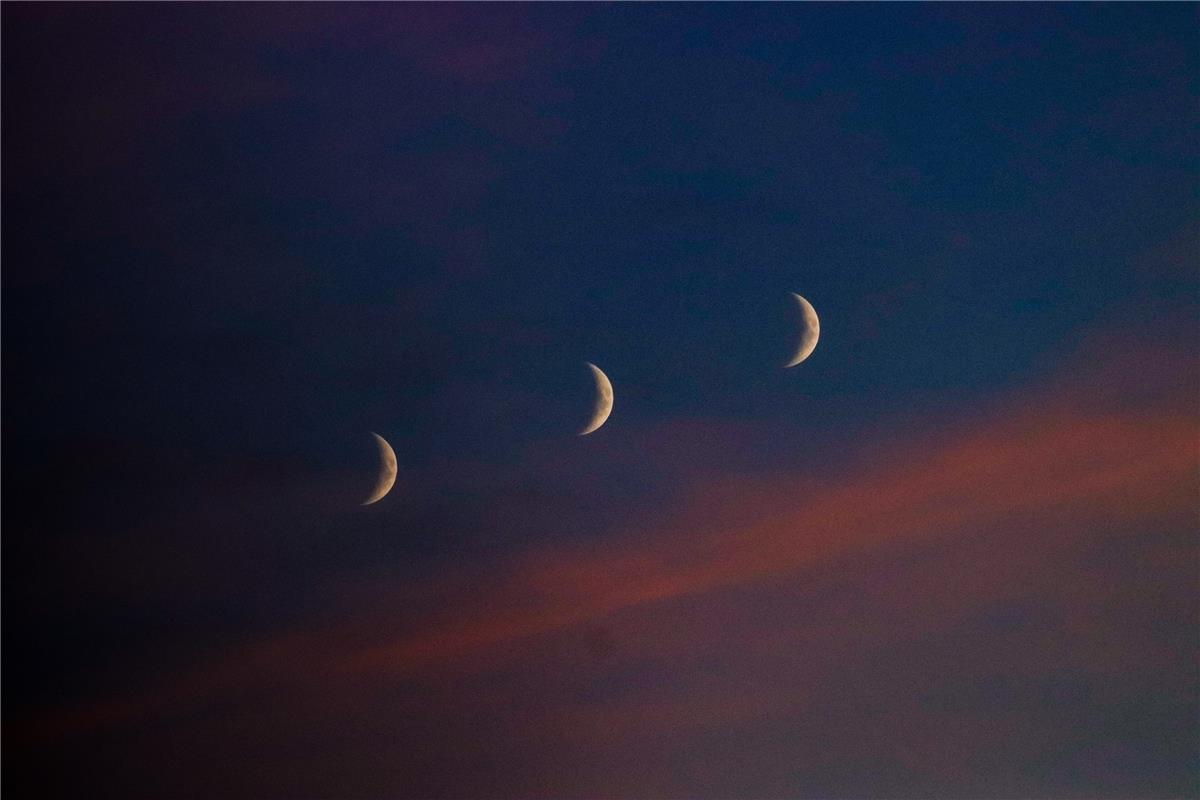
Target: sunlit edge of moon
812,331
604,400
387,471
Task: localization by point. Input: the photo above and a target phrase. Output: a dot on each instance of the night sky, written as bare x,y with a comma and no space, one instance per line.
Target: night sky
953,554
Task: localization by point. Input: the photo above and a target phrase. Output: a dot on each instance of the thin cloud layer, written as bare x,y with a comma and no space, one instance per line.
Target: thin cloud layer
751,602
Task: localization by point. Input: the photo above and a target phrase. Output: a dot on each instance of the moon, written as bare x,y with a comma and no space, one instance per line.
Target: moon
812,331
604,400
387,471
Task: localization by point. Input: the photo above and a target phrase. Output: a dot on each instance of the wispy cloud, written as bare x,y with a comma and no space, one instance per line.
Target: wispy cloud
1066,458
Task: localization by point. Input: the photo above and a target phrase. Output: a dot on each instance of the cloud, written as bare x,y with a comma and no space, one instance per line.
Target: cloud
1032,461
1026,480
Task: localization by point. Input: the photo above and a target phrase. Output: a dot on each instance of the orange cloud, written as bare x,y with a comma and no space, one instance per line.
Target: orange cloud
1029,462
1054,453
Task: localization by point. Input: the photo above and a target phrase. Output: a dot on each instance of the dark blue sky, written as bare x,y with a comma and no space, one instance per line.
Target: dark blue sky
238,238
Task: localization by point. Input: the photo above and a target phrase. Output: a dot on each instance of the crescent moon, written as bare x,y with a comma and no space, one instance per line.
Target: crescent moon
387,471
812,331
604,400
